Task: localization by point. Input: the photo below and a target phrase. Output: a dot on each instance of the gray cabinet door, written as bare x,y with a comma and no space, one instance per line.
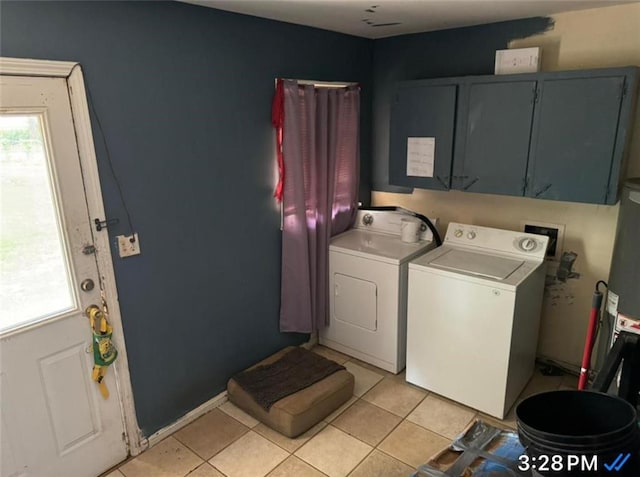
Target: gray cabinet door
573,139
494,145
421,111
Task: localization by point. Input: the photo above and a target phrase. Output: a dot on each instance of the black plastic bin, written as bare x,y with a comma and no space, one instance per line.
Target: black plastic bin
571,427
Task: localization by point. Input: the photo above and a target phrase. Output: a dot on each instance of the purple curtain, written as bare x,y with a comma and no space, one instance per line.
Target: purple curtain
321,164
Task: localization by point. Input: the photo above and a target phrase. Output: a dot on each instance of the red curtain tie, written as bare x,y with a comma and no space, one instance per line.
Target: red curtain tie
277,119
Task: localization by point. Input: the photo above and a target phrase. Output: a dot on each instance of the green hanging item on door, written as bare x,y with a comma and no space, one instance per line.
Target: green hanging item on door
104,353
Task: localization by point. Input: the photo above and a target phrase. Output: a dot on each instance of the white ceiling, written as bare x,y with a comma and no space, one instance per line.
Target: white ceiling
383,18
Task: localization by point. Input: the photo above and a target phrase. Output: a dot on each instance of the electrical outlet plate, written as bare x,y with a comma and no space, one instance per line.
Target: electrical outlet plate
126,247
543,227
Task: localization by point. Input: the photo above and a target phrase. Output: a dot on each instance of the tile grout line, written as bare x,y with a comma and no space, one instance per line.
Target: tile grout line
300,446
360,440
361,460
249,429
376,447
390,412
385,436
227,445
396,458
308,463
383,439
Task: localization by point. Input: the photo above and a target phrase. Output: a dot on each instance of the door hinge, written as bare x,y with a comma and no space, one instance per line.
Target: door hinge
473,181
88,249
103,224
444,184
543,190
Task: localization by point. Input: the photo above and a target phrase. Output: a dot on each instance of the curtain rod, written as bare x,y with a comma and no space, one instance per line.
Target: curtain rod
326,84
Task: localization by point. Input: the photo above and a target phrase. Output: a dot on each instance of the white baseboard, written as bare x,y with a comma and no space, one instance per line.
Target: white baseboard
187,419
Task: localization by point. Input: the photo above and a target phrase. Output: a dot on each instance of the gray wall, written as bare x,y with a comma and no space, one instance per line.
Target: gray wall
455,52
184,96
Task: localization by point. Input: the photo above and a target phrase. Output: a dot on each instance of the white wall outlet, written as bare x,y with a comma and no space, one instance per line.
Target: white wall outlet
128,247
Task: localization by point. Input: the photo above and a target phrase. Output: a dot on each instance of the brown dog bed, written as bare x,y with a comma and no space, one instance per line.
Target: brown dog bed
258,390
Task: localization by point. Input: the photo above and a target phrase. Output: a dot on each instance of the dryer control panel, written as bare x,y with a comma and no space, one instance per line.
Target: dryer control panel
531,246
388,222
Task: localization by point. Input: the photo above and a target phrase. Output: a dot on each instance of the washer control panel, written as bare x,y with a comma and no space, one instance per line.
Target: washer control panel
527,244
530,245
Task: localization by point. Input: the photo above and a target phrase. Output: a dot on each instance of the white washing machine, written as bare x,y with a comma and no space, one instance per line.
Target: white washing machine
368,267
473,316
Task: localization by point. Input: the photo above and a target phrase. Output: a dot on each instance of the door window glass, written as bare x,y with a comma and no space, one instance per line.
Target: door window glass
35,282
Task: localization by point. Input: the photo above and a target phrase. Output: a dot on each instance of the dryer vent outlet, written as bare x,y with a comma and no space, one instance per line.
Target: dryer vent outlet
555,233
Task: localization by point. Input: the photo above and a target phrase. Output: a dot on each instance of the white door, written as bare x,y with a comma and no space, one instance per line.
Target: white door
53,420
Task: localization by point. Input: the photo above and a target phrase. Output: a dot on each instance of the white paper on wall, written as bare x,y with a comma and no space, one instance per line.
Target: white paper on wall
420,156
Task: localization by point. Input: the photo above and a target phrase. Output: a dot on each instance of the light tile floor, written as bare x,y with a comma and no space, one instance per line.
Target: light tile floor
387,429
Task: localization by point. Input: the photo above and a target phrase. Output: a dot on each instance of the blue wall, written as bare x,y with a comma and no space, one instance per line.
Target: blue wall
455,52
184,95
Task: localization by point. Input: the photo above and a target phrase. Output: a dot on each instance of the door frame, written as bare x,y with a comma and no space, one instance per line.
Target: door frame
72,72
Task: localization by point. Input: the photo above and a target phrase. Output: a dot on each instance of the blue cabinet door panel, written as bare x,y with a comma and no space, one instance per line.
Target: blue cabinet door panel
558,135
574,135
497,129
423,111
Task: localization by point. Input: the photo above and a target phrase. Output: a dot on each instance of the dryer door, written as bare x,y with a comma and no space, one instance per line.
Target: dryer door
355,301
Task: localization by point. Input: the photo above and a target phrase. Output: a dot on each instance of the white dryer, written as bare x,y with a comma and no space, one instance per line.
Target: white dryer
473,316
368,267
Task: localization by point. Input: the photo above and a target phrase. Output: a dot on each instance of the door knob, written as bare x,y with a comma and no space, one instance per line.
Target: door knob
87,284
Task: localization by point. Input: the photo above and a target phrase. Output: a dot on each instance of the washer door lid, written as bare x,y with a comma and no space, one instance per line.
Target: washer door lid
484,265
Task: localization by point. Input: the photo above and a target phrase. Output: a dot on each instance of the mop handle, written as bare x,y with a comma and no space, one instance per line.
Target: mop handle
588,344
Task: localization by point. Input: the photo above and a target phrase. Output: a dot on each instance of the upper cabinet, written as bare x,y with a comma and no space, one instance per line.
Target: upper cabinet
556,135
573,153
493,144
423,111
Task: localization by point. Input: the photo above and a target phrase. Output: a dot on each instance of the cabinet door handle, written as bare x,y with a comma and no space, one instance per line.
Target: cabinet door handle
458,178
471,183
442,181
543,190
